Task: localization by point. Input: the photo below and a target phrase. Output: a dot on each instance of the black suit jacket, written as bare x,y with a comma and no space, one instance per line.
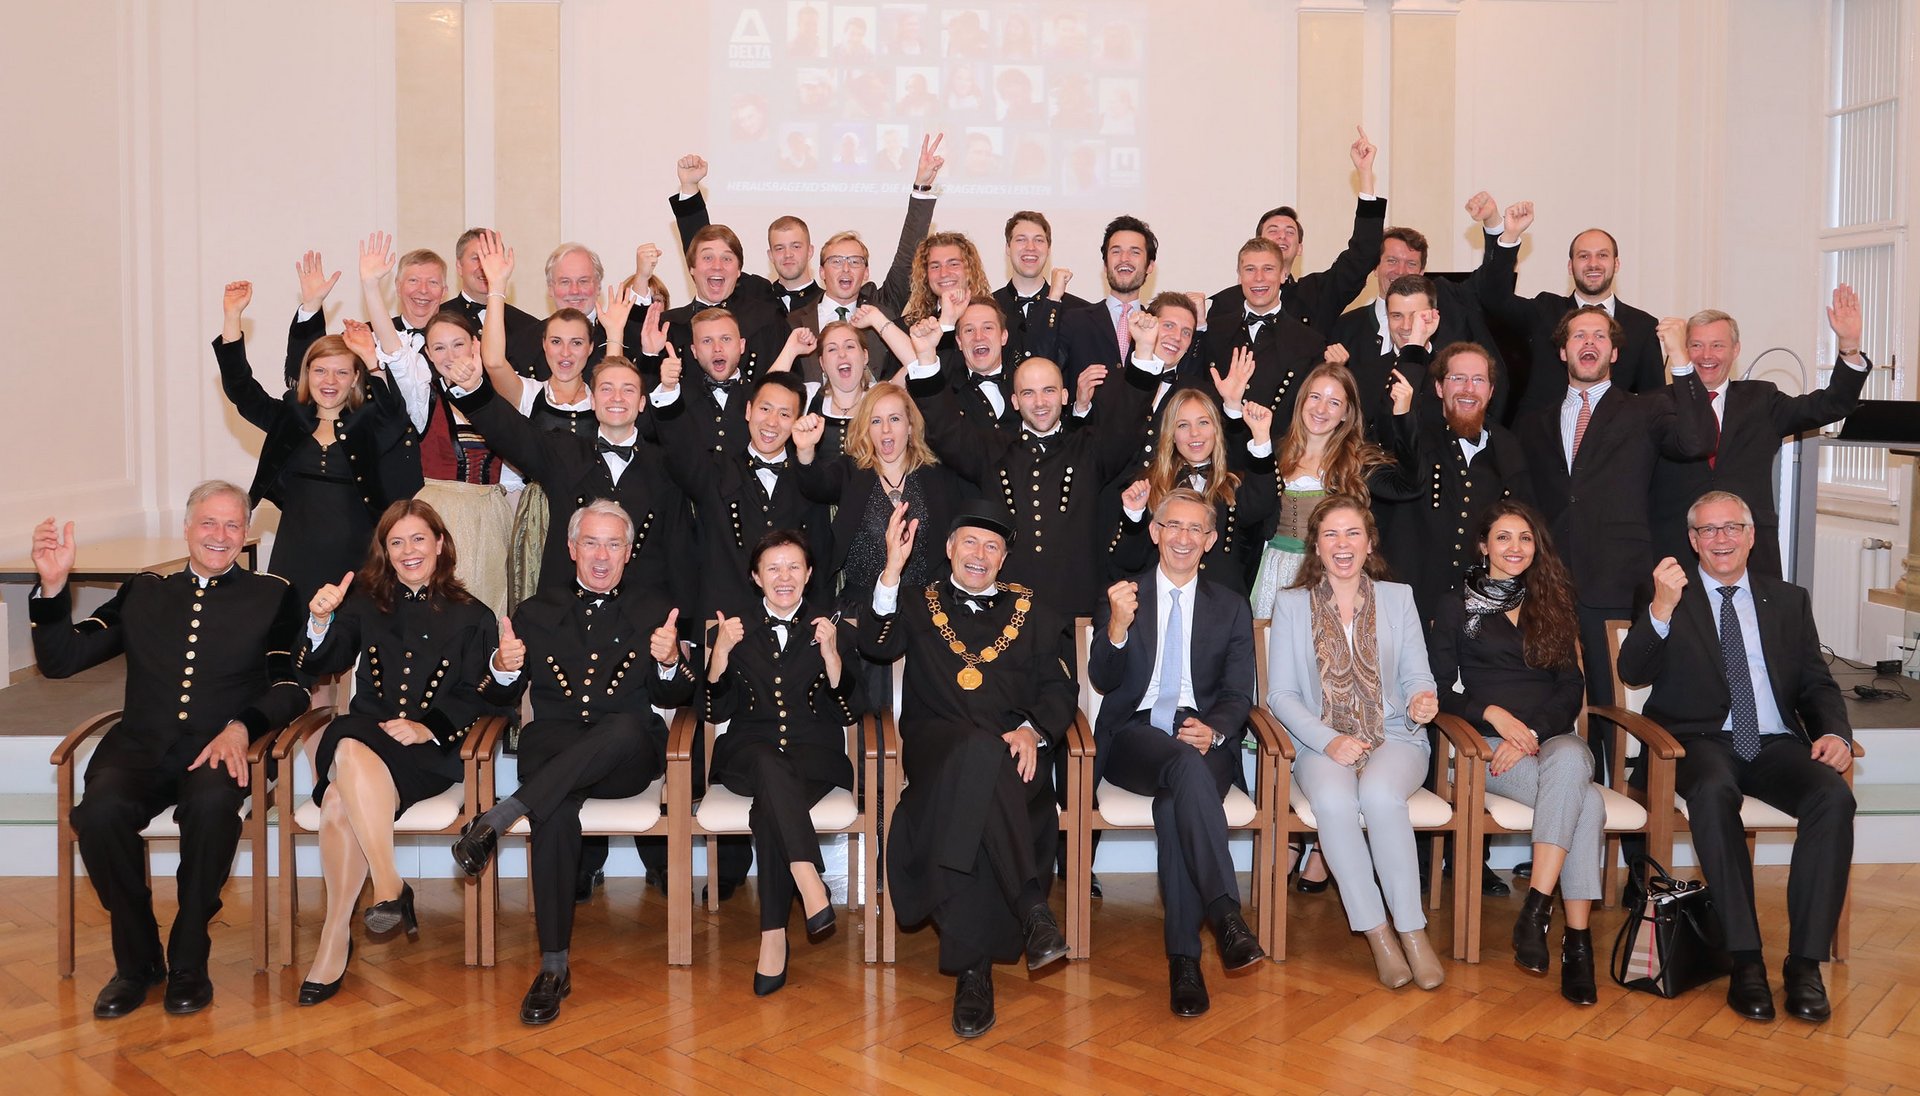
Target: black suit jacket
1318,299
1689,679
1085,337
1284,352
586,662
1429,539
1033,331
1597,510
1757,416
1219,662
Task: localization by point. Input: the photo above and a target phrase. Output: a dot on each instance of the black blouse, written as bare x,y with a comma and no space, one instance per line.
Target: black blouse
1493,669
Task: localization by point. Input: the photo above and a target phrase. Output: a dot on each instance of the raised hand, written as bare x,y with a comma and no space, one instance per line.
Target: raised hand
1335,354
234,298
802,342
1672,332
727,632
952,303
1518,218
53,553
1481,207
359,339
464,373
1199,302
1134,498
645,258
930,159
496,262
1425,322
926,339
1844,317
1669,579
315,283
900,533
669,368
866,317
1057,283
1259,419
1090,379
328,598
1423,706
653,330
807,432
1401,393
1142,326
1233,387
615,305
691,169
376,256
1123,600
512,652
664,643
1363,155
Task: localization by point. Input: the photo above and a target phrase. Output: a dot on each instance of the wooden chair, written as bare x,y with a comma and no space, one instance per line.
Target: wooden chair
721,811
1756,817
643,815
443,814
1448,813
1111,808
253,813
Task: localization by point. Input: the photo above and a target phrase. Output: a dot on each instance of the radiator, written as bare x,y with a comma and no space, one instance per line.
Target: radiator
1847,565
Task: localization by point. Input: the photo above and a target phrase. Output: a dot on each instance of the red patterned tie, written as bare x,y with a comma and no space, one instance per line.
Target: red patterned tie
1713,455
1120,328
1580,423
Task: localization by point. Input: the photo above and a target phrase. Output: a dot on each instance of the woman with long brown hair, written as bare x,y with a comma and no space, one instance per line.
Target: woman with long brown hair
422,642
1511,633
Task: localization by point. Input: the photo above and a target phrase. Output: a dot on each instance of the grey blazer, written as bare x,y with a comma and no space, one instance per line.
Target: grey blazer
1293,675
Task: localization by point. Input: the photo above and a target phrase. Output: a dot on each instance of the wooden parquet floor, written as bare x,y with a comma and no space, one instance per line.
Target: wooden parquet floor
412,1019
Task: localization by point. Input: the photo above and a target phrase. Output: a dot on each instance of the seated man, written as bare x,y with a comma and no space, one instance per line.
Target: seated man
1179,680
987,692
1738,678
192,707
618,651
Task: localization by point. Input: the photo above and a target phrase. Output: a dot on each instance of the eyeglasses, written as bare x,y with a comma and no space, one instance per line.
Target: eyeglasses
1192,529
835,262
1729,529
1468,380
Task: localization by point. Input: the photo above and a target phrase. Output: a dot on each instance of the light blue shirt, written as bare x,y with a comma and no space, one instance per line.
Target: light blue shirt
1764,705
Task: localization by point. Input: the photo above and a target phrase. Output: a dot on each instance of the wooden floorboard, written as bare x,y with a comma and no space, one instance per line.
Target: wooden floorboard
412,1019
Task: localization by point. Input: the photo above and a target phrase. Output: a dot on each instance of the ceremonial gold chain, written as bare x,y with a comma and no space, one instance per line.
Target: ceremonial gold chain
970,677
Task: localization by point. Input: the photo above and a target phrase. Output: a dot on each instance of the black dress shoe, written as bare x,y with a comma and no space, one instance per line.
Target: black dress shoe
973,1002
1239,949
1044,943
726,891
1188,995
475,846
542,1002
821,923
1491,885
125,992
1576,967
383,919
1806,994
312,993
1093,886
765,984
658,881
1748,993
584,883
1523,870
188,991
1530,932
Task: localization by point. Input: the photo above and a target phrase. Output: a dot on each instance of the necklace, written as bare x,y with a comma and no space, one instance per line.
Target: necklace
894,489
970,677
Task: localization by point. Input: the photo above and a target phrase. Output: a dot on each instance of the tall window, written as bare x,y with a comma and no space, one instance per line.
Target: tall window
1862,240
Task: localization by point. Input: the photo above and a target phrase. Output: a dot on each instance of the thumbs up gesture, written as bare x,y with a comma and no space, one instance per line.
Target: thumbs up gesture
727,631
512,653
327,599
664,645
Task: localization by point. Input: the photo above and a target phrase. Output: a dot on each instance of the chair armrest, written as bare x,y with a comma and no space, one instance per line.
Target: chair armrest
1652,736
870,748
1268,728
889,735
304,726
1466,741
680,736
483,739
63,753
1859,750
1079,736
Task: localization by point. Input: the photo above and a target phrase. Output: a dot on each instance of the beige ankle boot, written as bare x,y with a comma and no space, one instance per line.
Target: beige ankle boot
1387,959
1427,971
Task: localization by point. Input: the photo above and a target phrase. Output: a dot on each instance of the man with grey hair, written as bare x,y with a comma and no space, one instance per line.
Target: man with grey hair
209,673
599,657
574,276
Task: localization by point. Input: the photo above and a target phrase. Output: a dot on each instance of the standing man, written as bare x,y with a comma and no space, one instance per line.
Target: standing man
209,672
1033,298
1097,333
1284,350
1739,679
1173,654
472,300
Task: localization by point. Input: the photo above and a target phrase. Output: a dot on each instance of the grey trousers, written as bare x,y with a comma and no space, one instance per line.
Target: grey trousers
1378,793
1568,810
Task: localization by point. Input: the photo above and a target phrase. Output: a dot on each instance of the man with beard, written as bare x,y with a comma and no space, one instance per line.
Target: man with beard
1097,333
1033,298
1593,259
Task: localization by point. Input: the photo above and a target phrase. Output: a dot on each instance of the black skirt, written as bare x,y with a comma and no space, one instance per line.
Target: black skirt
419,772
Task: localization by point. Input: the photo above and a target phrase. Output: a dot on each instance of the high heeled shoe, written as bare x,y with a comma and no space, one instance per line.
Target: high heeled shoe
765,984
820,924
382,918
312,993
1311,886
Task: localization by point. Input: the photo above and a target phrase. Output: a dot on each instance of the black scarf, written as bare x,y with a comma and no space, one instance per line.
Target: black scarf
1486,595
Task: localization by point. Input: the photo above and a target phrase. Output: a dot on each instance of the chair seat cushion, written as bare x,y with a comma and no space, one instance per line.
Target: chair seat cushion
1623,814
1425,809
1754,815
633,815
427,816
1119,807
165,827
724,811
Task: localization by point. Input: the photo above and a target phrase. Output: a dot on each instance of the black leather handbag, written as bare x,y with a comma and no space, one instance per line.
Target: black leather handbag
1671,940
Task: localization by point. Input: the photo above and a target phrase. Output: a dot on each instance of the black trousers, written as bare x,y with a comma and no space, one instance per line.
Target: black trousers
117,805
780,819
1712,779
564,763
1189,823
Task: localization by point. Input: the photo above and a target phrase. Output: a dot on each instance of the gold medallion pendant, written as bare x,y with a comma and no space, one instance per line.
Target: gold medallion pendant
969,678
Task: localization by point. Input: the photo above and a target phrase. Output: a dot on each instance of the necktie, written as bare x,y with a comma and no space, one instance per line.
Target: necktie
602,445
1120,328
1171,650
840,310
1733,656
1713,454
1580,423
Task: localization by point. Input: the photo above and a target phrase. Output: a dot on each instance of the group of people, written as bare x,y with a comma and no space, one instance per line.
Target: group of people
756,500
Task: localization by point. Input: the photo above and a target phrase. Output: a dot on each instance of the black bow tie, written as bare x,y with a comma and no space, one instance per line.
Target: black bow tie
624,452
1021,303
594,596
727,385
979,603
757,462
1038,442
1250,318
978,379
1204,471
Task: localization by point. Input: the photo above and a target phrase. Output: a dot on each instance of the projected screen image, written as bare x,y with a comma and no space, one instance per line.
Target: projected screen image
820,97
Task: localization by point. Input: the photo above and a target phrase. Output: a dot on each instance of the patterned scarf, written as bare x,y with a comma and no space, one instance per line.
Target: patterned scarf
1349,674
1486,595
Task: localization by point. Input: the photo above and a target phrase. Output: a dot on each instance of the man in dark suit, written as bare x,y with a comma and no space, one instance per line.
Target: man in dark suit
599,657
1284,349
1593,259
975,369
574,277
843,273
1739,679
1752,417
1033,298
714,258
1173,654
209,672
472,298
1096,334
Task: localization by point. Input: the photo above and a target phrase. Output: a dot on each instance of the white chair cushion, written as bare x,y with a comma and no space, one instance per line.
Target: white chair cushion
1424,809
724,811
165,827
1622,812
1754,815
1120,807
426,816
633,815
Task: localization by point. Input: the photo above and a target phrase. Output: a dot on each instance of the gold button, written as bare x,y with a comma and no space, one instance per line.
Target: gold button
196,606
194,623
189,658
184,698
183,715
193,637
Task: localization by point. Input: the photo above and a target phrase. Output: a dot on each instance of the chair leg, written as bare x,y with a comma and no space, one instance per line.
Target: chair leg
713,873
262,928
1842,933
1282,894
63,902
1610,874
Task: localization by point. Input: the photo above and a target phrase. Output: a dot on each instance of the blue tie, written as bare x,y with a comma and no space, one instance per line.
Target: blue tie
1733,655
1168,701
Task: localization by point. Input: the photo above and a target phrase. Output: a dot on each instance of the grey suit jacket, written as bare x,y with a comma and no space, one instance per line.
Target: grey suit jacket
1293,674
